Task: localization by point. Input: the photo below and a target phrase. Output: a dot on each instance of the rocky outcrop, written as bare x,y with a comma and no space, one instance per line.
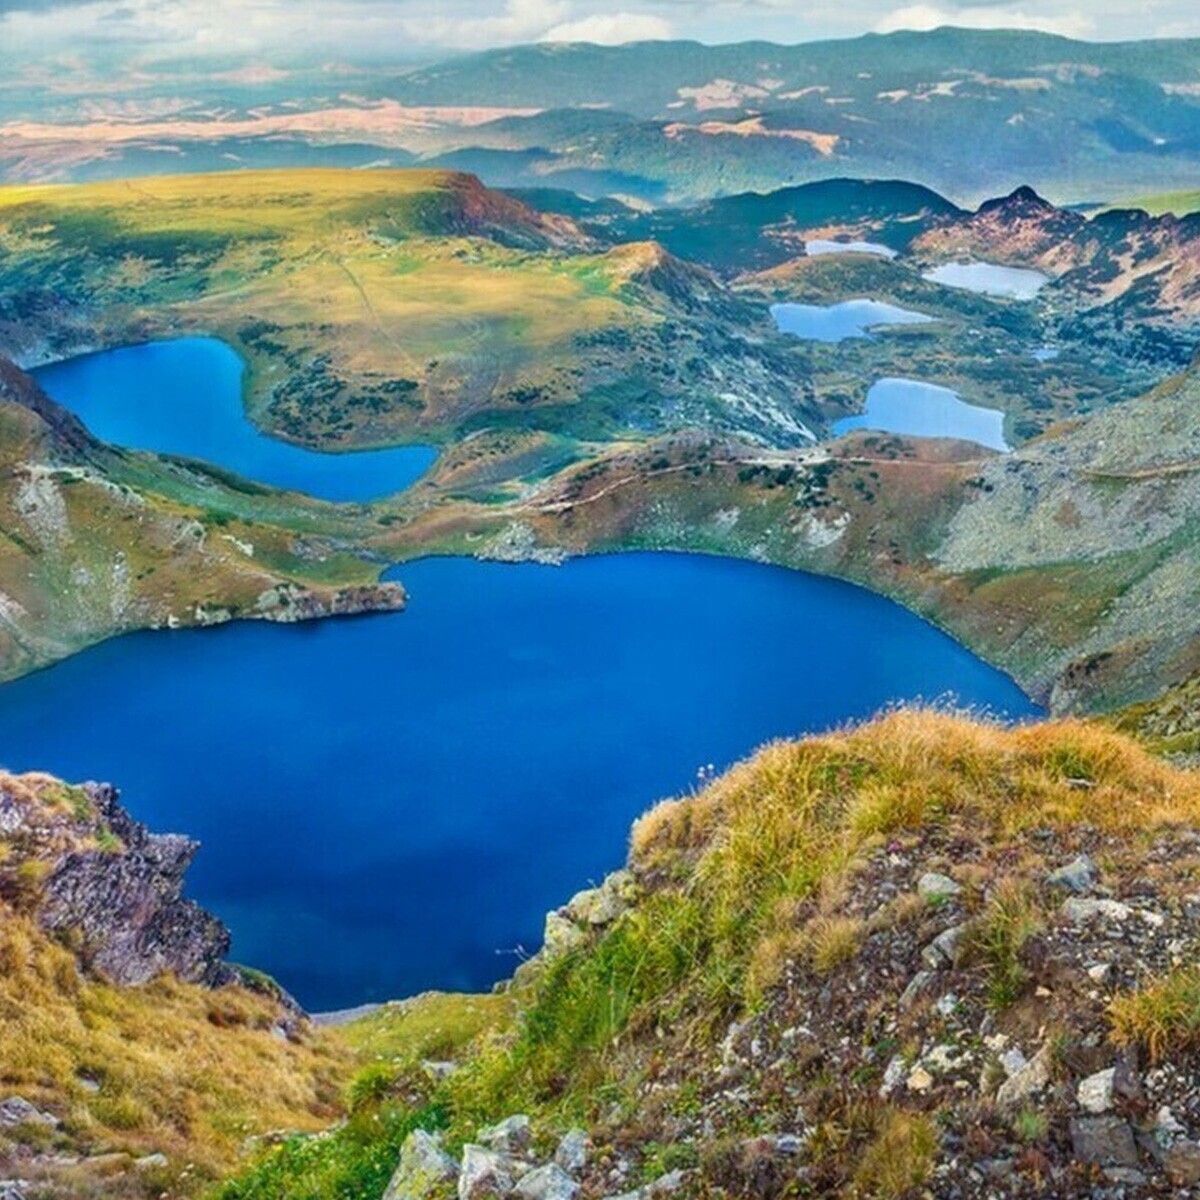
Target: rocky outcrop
109,888
125,907
288,603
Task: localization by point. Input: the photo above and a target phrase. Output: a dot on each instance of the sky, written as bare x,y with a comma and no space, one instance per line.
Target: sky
276,30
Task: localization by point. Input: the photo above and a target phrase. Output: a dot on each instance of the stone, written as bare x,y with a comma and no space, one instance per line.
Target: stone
424,1169
917,986
151,1162
510,1136
1095,1093
944,950
550,1182
1182,1163
1081,911
1079,875
16,1110
1027,1081
12,1189
1013,1061
1099,972
1167,1126
893,1076
560,935
919,1080
1103,1142
602,905
572,1151
935,887
484,1174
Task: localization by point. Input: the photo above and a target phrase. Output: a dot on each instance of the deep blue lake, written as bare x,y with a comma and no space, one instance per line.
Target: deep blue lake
184,396
391,803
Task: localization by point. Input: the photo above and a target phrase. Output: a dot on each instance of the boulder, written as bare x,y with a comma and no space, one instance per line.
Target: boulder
550,1182
935,887
1026,1081
1096,1093
484,1174
572,1151
1079,875
1103,1142
945,949
1080,911
424,1170
510,1136
16,1110
1182,1163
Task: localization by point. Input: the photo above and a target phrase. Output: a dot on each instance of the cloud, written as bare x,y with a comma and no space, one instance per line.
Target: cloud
611,29
974,14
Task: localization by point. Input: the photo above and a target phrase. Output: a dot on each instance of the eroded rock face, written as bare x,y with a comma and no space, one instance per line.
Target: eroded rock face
116,896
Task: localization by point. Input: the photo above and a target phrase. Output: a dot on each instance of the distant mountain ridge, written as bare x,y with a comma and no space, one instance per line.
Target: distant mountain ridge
970,113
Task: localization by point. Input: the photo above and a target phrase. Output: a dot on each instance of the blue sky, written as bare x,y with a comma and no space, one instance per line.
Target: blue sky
410,28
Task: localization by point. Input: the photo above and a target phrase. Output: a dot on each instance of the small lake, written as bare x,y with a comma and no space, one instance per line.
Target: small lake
184,397
990,279
391,803
837,322
820,246
919,409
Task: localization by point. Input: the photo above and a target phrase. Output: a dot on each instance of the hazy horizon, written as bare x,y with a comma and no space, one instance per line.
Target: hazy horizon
279,32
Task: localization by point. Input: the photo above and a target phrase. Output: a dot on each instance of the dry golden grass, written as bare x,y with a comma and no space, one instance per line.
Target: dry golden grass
806,807
1163,1016
900,1157
181,1069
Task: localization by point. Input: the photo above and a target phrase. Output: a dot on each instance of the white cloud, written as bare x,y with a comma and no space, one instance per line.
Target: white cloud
930,16
611,29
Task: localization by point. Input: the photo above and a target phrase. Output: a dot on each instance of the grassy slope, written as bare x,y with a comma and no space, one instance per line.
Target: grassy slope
98,541
164,1068
751,900
385,306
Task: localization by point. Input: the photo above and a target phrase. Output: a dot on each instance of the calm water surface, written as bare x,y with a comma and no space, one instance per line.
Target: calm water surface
925,410
822,246
837,322
184,397
990,279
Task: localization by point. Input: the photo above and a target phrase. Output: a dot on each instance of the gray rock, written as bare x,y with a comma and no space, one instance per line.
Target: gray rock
12,1189
1182,1163
572,1151
1080,911
16,1110
127,908
1103,1142
893,1076
917,986
484,1174
424,1170
1079,875
550,1182
1096,1093
945,949
1027,1081
150,1162
935,887
510,1136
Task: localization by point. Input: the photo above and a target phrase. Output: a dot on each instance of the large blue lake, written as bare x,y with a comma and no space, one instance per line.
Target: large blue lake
391,803
184,396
